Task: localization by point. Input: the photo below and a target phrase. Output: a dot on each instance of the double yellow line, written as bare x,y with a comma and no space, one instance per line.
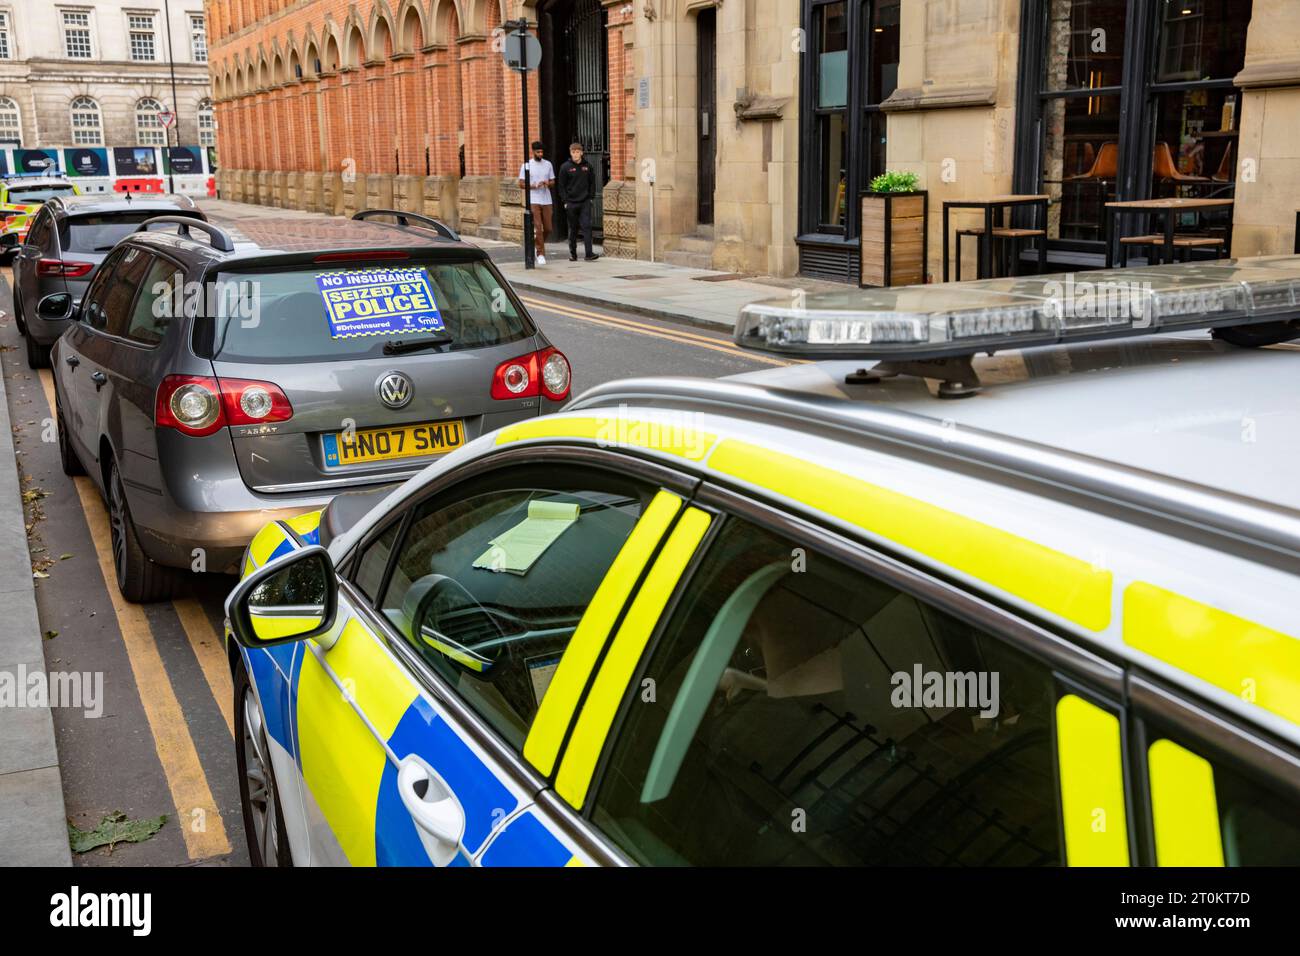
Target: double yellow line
197,814
681,336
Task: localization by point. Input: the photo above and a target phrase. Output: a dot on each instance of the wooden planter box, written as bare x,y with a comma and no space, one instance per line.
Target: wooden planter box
895,227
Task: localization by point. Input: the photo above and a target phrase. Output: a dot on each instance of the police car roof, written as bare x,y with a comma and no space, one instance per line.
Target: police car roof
1184,406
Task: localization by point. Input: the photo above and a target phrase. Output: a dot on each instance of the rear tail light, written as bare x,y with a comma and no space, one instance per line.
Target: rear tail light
199,405
252,403
58,267
538,373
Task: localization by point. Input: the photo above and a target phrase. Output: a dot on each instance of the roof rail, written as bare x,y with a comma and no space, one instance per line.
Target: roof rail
1221,513
221,240
404,219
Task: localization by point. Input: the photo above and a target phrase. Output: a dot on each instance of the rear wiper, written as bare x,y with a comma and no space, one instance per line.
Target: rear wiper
419,345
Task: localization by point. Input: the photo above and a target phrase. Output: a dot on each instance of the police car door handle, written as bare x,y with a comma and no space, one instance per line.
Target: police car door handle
438,816
72,361
99,378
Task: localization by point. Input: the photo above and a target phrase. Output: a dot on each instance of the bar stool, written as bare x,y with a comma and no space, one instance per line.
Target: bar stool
1007,234
1184,244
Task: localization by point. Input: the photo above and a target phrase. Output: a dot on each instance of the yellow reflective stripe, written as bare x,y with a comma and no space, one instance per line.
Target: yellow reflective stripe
1056,582
556,710
1250,660
342,764
265,542
620,663
1092,784
615,430
305,523
1183,807
274,628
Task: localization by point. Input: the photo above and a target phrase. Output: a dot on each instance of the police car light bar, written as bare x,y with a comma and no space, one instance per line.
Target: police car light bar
920,323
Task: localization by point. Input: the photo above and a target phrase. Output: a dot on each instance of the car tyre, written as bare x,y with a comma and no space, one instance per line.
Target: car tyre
140,579
67,454
38,355
19,323
258,795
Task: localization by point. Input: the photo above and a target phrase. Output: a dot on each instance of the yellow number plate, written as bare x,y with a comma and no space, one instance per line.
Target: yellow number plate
385,444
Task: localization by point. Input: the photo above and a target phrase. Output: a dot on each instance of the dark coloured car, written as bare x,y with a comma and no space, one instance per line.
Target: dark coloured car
214,382
68,239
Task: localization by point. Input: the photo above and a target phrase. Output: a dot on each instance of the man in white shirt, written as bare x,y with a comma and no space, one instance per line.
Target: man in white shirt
541,176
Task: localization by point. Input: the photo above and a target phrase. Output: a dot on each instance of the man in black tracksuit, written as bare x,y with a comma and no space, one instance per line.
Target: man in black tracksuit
577,188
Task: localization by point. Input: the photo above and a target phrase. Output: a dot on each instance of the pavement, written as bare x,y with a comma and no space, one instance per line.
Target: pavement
700,297
33,826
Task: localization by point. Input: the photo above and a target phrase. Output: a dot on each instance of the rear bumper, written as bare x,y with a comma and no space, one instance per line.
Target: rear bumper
209,540
201,515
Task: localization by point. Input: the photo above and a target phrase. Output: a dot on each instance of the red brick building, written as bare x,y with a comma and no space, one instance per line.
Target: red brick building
339,105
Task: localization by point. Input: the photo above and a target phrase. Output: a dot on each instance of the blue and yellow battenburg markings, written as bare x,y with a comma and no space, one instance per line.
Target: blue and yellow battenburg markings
344,765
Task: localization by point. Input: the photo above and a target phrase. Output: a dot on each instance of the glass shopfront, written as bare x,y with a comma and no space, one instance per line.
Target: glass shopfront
1128,99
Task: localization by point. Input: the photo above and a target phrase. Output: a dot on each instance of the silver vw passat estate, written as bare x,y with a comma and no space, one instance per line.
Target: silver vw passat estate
214,381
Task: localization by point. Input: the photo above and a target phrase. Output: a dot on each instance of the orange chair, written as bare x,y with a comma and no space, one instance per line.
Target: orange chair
1163,166
1104,166
1226,172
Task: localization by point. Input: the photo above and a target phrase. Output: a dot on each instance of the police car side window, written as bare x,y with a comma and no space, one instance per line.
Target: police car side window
488,585
1256,823
805,713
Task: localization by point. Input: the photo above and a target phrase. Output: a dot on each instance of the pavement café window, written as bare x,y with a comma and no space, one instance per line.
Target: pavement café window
1166,128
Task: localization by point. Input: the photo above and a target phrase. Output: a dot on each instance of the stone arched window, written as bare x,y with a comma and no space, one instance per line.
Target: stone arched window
87,123
149,130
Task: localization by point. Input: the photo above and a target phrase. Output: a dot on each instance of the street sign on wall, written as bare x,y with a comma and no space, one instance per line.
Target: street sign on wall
522,54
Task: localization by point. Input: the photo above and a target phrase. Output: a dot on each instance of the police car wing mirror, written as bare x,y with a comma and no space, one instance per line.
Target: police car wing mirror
438,816
292,598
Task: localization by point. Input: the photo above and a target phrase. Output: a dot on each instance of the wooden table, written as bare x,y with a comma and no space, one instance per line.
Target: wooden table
1169,208
998,204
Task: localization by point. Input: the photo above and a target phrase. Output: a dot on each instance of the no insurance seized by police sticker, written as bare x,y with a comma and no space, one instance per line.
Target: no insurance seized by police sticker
379,302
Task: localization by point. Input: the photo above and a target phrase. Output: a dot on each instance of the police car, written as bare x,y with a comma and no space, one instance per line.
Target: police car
21,198
899,605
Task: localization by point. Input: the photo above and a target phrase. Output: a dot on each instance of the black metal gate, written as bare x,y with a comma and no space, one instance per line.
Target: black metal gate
588,88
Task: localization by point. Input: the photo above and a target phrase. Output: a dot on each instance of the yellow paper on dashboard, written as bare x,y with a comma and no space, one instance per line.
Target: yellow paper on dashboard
517,549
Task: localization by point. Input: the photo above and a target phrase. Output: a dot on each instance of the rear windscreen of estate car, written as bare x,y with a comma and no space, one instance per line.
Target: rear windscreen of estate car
101,232
348,312
30,195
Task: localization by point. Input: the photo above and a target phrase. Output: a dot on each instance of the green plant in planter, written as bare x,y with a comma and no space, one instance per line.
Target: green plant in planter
894,182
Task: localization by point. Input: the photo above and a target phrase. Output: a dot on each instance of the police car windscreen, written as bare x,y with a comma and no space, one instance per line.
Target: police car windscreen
323,313
101,233
33,194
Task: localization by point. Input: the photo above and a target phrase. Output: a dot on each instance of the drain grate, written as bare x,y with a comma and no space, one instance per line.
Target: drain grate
722,277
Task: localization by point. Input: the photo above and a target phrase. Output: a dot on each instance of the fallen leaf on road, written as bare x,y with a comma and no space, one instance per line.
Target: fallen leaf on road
113,829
